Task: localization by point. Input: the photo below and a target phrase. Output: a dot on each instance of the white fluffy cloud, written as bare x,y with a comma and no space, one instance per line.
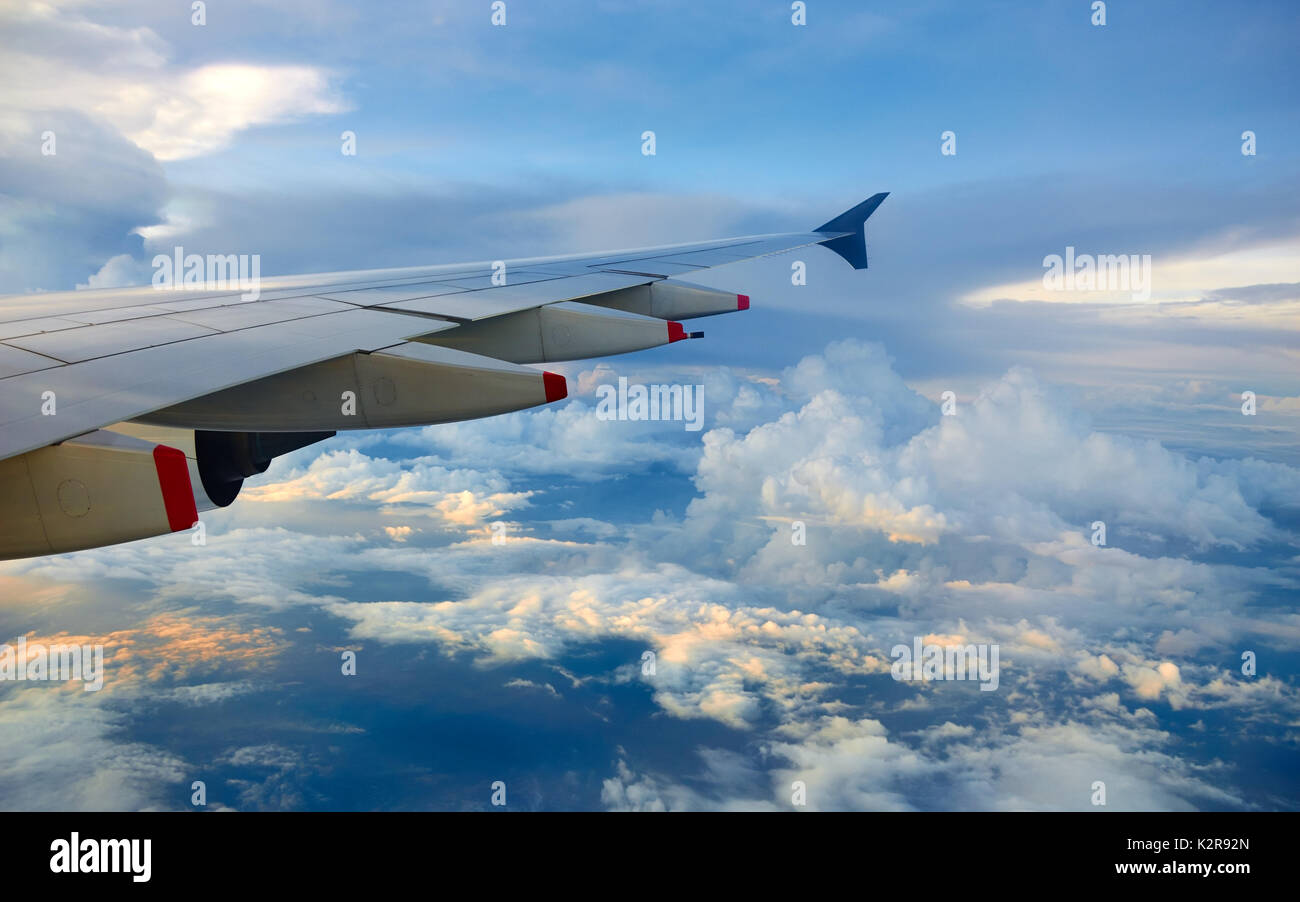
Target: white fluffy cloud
63,754
972,528
456,497
1016,465
56,60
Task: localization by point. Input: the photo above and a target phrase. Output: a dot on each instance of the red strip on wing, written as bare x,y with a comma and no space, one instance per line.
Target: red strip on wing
177,492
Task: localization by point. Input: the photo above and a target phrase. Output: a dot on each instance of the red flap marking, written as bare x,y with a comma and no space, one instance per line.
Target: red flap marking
556,386
177,492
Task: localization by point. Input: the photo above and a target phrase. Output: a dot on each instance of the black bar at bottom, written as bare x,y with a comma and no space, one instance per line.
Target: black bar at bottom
213,850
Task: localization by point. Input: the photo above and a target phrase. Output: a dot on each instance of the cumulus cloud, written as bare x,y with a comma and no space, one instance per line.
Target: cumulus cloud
57,60
968,529
1017,464
70,756
458,497
724,661
859,766
92,110
67,748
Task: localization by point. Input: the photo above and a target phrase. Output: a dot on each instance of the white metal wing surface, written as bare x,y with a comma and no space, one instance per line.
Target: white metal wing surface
125,412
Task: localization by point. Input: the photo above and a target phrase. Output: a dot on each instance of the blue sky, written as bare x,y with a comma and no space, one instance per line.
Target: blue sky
522,661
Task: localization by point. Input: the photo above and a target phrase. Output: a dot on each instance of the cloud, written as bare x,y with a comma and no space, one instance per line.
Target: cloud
91,111
66,753
206,106
56,60
973,528
283,772
728,662
173,647
69,749
1017,465
858,766
70,212
529,684
119,272
458,497
1202,277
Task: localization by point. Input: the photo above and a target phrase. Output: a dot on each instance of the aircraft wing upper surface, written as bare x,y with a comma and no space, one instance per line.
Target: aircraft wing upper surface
73,363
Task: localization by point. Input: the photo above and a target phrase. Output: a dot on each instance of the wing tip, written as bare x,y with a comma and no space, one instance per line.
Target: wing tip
852,247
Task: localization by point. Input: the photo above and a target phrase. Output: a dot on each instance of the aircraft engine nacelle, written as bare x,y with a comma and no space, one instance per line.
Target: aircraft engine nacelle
565,331
130,481
410,384
672,299
225,459
95,489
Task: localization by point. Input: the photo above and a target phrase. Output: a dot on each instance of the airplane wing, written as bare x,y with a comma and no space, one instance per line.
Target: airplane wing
123,412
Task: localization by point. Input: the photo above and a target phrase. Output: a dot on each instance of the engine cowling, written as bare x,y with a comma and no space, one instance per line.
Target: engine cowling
96,489
225,459
127,482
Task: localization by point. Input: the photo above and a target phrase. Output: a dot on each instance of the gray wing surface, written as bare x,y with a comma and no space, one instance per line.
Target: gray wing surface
112,355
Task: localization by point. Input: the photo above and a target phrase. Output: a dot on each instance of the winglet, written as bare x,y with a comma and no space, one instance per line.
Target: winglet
852,248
